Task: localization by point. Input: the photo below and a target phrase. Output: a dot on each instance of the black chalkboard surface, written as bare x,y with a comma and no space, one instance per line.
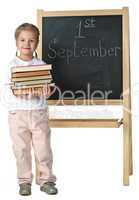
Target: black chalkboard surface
86,54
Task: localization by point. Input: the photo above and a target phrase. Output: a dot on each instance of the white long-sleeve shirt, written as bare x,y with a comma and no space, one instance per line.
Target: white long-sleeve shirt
13,102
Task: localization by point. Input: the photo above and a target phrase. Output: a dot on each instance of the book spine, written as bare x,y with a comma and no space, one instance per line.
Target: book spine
28,74
32,82
31,78
31,86
31,68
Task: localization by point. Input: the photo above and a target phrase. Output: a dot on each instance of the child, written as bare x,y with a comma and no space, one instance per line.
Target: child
28,120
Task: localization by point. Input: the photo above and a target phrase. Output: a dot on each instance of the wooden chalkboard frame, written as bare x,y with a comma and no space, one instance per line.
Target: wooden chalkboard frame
125,102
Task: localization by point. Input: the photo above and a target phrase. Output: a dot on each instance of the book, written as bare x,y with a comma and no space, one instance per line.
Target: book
26,91
27,83
20,79
30,86
31,68
26,78
33,73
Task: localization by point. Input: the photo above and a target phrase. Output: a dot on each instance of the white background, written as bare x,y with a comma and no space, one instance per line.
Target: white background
87,162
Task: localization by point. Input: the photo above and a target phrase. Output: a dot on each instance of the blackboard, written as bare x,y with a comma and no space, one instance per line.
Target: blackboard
86,55
90,47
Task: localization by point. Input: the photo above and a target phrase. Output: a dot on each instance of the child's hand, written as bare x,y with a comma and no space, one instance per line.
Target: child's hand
45,91
48,91
35,92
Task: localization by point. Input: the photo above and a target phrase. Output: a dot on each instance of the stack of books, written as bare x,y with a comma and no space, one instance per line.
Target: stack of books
27,78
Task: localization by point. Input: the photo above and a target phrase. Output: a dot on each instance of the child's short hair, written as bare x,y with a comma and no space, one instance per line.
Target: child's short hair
27,27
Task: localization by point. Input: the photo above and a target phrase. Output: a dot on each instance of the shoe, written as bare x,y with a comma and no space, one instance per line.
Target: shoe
49,188
25,189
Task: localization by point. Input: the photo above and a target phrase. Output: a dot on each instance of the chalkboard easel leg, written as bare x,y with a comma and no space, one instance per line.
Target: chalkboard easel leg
130,148
126,153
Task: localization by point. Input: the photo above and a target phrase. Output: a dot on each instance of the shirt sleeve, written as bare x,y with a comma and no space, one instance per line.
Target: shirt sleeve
6,92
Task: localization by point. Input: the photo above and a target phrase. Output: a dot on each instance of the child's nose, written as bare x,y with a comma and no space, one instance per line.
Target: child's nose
28,43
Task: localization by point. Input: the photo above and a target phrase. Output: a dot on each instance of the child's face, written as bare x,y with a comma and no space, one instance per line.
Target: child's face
26,43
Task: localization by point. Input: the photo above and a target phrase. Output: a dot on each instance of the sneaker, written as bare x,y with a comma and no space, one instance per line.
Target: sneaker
49,188
25,189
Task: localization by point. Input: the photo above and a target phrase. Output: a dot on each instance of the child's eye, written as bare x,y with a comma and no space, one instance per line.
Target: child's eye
22,40
32,40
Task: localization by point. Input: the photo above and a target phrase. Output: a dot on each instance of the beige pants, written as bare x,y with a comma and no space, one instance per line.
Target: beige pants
30,128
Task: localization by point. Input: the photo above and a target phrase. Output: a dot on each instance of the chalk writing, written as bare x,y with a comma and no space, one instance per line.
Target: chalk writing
76,51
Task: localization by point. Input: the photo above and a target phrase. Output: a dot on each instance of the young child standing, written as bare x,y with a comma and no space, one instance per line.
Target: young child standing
28,120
